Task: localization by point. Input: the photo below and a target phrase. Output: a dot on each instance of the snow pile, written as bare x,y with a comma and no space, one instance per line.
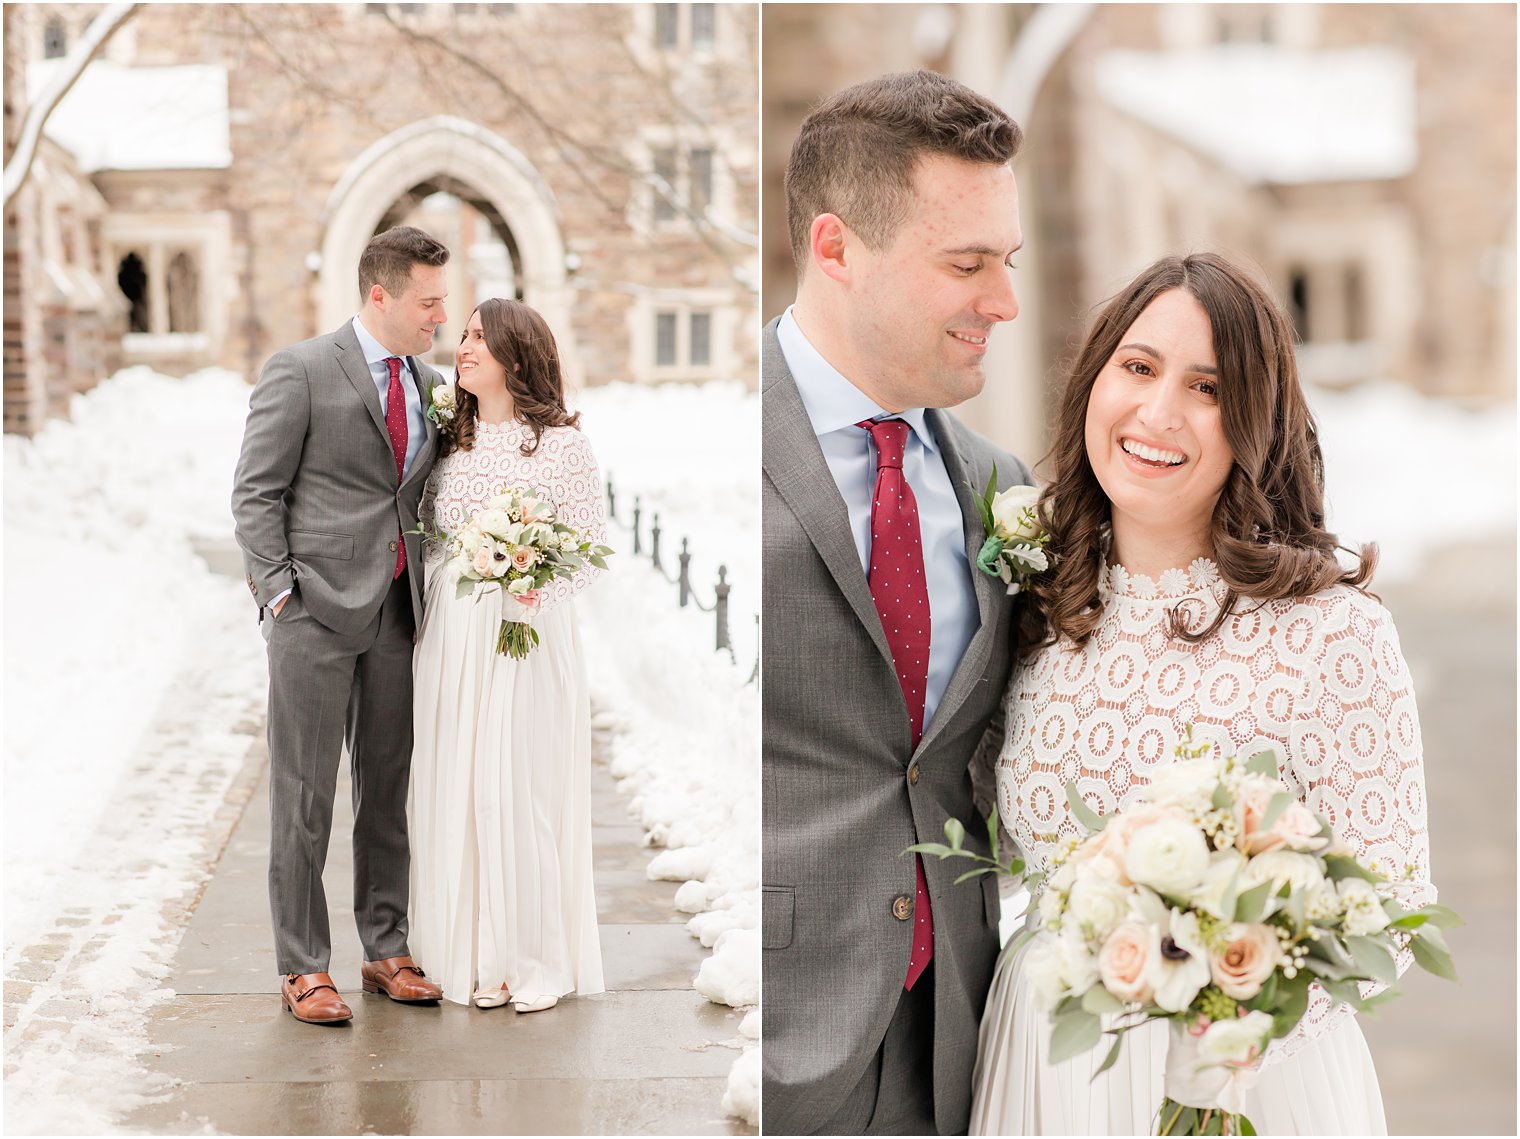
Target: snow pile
134,679
1273,114
1410,472
688,749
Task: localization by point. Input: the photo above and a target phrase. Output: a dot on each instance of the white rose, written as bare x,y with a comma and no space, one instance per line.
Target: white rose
1097,903
1185,783
1300,871
443,396
1183,967
1052,905
1008,513
520,586
1237,1041
1169,855
469,541
494,522
1045,965
1224,868
1364,908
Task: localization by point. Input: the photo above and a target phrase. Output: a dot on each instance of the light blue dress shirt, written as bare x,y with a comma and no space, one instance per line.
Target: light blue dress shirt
835,406
375,355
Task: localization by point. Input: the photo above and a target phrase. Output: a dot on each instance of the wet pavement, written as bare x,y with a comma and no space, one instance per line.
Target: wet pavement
1445,1052
649,1056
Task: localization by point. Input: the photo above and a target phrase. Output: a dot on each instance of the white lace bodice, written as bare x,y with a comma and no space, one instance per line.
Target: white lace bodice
562,469
1321,679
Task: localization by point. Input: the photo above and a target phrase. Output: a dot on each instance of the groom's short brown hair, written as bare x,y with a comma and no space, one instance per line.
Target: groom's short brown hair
388,258
855,154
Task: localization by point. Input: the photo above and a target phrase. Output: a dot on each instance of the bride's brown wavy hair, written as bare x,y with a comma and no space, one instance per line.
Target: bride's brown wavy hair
1268,527
520,341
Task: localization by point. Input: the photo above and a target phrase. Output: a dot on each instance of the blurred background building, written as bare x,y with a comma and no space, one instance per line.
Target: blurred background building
202,193
1362,156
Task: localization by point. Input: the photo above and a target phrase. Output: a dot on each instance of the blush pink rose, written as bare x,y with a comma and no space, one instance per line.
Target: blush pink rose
1249,957
524,557
482,562
1296,827
1127,962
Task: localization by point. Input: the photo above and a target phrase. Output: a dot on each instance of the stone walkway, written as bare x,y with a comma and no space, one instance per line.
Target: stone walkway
649,1056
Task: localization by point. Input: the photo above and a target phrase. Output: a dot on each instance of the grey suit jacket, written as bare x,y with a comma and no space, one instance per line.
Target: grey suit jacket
838,803
315,497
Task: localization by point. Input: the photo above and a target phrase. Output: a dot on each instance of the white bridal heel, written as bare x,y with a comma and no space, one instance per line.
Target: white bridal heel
485,999
535,1006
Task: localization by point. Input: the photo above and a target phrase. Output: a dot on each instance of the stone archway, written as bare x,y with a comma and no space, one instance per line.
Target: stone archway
455,150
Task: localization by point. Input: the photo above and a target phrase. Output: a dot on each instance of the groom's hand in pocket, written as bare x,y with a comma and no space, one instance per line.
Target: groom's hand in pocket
278,605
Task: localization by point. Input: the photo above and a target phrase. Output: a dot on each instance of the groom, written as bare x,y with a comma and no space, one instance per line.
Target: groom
887,652
335,455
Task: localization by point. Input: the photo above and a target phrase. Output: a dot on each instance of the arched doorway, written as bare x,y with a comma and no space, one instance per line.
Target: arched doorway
464,161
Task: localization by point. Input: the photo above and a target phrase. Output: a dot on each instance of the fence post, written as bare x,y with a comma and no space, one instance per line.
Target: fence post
654,543
685,578
611,499
720,606
637,510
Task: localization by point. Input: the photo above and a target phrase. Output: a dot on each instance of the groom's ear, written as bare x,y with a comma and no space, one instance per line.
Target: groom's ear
830,245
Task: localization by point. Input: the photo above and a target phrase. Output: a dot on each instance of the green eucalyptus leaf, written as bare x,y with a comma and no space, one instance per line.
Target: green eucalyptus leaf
955,832
1074,1033
1442,917
992,835
1098,1000
977,873
1278,804
1085,815
1263,763
1111,1058
1432,958
1338,866
937,849
1252,904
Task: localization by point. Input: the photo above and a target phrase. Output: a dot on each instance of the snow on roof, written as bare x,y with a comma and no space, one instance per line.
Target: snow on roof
1275,115
140,118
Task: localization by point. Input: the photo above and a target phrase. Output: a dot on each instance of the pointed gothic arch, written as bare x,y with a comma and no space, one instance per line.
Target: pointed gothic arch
452,150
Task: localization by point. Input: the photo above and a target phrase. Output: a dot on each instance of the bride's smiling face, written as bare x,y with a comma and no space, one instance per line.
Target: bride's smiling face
479,371
1153,430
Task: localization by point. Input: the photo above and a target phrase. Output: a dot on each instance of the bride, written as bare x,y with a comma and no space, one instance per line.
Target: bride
1194,583
503,906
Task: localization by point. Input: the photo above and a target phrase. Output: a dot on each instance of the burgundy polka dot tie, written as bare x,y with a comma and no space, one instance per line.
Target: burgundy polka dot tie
395,426
901,594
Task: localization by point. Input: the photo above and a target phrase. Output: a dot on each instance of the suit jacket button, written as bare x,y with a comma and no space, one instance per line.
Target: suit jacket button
393,547
913,775
902,907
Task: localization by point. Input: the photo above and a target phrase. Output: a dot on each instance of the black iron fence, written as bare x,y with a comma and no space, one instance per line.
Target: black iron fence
686,593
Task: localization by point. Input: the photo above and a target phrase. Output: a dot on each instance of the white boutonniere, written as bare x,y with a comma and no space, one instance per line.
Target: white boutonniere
441,404
1015,547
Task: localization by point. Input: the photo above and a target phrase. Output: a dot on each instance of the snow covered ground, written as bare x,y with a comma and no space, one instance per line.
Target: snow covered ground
135,680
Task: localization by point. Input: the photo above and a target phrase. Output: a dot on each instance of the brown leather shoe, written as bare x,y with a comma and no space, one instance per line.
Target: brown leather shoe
314,999
399,979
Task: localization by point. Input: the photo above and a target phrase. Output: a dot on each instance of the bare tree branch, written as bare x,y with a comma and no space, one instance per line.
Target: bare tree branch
101,28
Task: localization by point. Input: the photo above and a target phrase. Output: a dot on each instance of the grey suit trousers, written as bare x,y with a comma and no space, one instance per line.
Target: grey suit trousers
328,689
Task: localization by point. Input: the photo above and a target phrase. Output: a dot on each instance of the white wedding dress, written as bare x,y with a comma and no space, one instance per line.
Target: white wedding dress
1320,678
500,804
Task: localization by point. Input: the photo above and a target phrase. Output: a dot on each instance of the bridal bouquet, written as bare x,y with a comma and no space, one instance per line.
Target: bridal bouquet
516,543
1015,547
1213,903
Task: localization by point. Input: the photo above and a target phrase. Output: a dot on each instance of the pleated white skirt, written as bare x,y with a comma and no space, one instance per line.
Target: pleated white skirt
1327,1087
500,805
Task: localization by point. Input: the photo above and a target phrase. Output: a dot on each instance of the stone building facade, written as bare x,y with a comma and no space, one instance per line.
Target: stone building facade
1360,156
597,161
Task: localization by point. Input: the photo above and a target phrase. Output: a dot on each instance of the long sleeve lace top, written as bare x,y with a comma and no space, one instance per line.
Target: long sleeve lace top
562,470
1321,679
